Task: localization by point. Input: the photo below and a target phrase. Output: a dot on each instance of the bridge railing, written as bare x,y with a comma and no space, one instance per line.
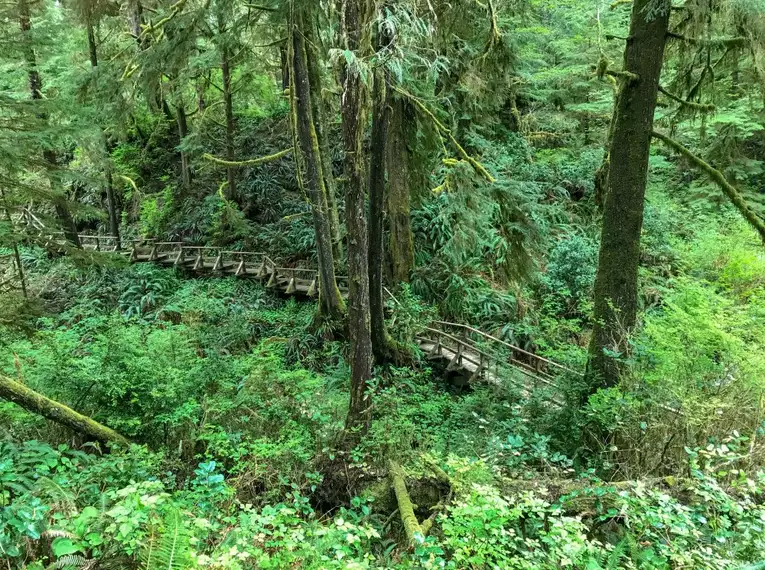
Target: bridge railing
496,360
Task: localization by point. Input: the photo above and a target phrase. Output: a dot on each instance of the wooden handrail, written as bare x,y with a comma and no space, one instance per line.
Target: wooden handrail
510,346
513,363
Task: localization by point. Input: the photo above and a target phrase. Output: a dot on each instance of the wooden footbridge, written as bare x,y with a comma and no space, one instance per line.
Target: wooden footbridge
478,356
471,354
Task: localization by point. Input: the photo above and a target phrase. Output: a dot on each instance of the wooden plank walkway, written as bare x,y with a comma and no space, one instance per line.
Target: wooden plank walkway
476,354
483,358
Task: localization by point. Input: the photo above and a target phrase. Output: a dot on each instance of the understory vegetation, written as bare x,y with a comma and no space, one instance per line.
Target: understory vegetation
503,303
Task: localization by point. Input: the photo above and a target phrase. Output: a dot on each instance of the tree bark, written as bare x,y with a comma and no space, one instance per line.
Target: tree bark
354,114
230,126
38,404
331,303
414,532
183,131
616,283
35,88
399,182
320,114
92,49
377,169
111,201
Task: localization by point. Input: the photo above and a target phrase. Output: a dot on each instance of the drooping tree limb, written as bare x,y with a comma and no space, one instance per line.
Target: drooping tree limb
250,162
724,42
728,189
175,9
703,107
55,411
477,166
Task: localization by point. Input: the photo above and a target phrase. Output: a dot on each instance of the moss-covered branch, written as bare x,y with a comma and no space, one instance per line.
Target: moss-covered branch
412,528
251,162
728,189
441,128
703,107
175,9
716,42
38,404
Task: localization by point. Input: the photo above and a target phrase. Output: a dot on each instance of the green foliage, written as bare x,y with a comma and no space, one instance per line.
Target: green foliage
170,549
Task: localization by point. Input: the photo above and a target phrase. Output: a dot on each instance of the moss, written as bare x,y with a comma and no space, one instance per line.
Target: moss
250,162
718,178
412,527
36,403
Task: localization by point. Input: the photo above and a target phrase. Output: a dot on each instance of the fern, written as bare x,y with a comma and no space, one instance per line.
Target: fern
71,561
168,550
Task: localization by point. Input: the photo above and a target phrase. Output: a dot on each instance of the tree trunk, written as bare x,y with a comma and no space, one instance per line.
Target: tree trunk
135,23
399,181
183,131
377,169
15,247
285,66
616,284
331,303
35,88
38,404
354,114
230,127
320,113
111,202
92,51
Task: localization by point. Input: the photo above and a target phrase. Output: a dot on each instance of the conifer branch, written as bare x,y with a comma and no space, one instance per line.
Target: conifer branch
250,162
477,166
724,42
703,107
718,178
175,9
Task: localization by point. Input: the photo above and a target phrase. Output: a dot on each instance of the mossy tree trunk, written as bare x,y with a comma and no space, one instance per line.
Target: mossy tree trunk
228,104
36,403
331,303
616,283
35,87
321,111
377,169
354,108
111,201
183,131
399,187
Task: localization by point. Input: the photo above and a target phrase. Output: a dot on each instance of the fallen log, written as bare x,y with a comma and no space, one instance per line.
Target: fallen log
36,403
412,528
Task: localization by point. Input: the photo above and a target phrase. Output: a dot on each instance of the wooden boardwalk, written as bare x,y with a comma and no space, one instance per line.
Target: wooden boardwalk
201,260
479,356
219,261
474,354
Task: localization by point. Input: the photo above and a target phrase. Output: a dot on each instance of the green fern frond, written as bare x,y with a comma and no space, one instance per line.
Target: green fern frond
70,561
55,493
170,549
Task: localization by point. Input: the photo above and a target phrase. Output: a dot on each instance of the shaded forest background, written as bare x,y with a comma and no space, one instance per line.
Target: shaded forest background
580,179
